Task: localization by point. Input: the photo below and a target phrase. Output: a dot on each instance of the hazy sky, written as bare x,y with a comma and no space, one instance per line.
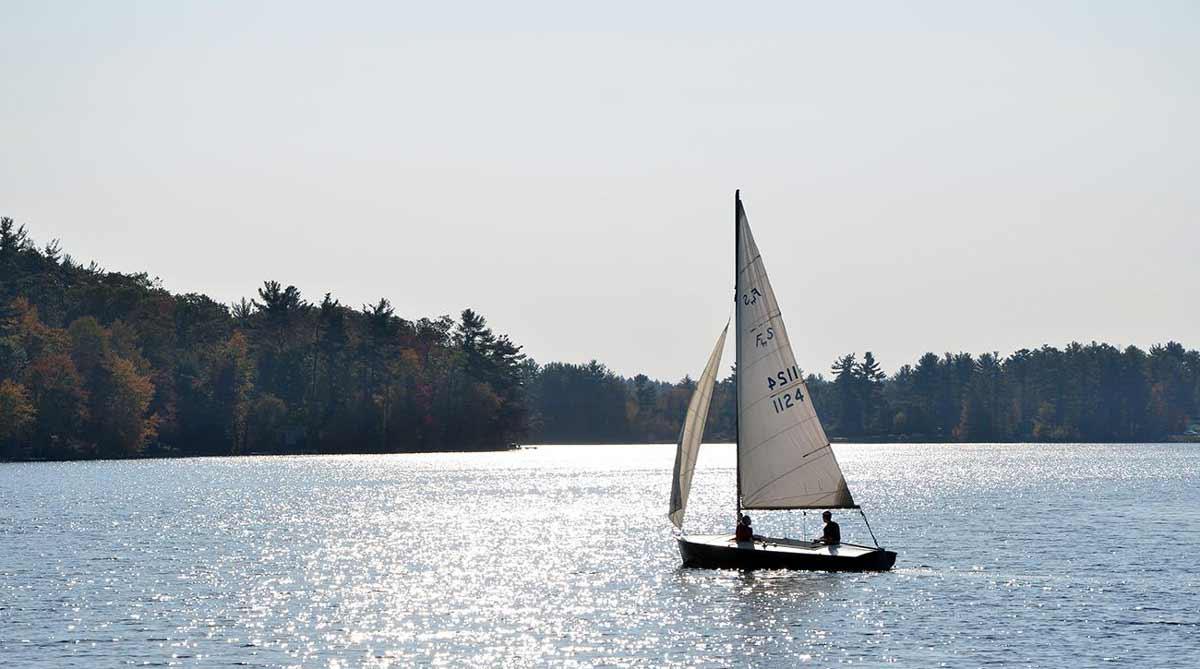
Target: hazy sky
936,176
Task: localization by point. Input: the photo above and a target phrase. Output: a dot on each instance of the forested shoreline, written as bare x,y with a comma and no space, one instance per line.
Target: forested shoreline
98,364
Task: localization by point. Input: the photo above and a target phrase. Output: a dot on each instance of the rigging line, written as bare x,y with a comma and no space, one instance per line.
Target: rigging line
868,523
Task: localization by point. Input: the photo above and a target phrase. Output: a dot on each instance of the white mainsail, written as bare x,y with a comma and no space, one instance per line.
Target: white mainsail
693,432
784,458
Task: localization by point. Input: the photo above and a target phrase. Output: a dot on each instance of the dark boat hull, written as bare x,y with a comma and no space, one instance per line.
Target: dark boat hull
724,553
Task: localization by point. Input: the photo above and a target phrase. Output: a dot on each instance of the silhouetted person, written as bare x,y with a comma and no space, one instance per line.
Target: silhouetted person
832,535
744,532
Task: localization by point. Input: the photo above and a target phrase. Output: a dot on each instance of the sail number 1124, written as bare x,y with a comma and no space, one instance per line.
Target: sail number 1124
793,396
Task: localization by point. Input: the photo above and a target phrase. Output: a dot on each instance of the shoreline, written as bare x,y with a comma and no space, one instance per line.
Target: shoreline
1172,439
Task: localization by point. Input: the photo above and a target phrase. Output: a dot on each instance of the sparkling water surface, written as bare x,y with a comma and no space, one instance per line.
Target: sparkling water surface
1009,555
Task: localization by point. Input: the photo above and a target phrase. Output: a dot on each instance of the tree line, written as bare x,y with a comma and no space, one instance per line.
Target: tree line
98,364
1082,393
1090,393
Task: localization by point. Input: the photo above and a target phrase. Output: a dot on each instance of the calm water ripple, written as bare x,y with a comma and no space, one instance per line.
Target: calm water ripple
1010,555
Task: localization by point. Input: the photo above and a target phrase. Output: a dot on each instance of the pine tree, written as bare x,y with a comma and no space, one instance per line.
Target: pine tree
848,382
872,381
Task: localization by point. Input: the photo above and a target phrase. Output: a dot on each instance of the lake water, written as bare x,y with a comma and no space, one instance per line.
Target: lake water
1012,555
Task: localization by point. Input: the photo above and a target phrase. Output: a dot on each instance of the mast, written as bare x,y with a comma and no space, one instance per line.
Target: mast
737,351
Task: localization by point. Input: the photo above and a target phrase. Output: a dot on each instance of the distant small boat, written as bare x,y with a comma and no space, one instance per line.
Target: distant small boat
784,460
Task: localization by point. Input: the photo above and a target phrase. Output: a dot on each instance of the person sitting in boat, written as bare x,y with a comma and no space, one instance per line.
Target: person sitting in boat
832,534
744,532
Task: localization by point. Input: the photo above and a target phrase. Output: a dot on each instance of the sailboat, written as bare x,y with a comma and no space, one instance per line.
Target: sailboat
784,459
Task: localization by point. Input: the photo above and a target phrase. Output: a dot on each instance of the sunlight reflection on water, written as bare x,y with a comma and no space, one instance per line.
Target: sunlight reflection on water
1009,554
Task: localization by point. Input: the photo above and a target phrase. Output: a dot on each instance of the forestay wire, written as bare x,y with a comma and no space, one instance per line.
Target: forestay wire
868,524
